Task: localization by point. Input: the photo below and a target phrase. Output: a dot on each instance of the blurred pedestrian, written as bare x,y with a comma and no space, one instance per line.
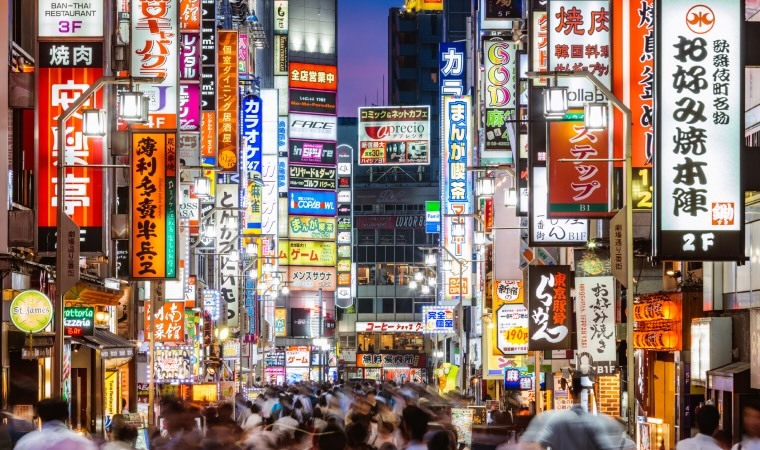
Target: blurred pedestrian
751,426
442,440
331,438
414,426
54,435
708,419
123,437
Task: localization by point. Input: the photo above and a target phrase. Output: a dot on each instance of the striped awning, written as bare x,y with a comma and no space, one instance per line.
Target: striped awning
93,295
111,346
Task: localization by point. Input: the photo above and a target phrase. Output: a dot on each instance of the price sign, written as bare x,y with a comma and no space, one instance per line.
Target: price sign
517,336
512,329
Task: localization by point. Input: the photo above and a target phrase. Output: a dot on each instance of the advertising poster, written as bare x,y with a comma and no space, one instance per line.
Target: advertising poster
313,76
394,135
595,316
308,253
550,307
312,203
174,363
462,419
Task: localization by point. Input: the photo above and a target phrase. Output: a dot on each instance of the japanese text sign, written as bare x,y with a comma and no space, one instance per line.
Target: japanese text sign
313,76
251,129
227,100
389,327
539,40
154,206
390,360
190,15
228,244
307,253
581,188
64,73
451,65
155,53
550,307
595,316
699,196
394,135
309,177
311,228
297,356
311,152
307,278
438,319
280,322
579,39
312,203
544,230
169,321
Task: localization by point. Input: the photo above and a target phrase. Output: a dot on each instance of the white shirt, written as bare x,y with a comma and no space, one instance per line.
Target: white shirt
54,436
251,421
748,443
698,442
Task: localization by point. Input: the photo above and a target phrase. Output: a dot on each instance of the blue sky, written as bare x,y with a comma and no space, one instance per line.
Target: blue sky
362,52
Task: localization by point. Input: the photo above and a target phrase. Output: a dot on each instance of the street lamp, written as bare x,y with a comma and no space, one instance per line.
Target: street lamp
628,211
94,123
555,101
431,259
595,116
202,187
133,106
486,186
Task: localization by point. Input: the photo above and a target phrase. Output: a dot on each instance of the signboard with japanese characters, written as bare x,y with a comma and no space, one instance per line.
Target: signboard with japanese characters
579,39
390,360
227,245
699,196
276,357
389,222
189,106
64,71
578,189
281,17
169,321
297,356
153,237
456,196
539,40
311,228
155,53
313,76
227,100
508,292
307,253
174,363
595,316
499,98
251,128
312,203
498,14
69,19
281,322
190,15
550,307
311,152
510,318
658,321
306,278
394,135
438,319
308,177
452,64
389,327
545,231
312,102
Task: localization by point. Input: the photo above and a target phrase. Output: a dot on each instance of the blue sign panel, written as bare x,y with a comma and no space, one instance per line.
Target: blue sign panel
312,203
451,62
251,127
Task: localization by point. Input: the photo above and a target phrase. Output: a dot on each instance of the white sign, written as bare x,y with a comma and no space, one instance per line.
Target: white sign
297,356
269,194
313,126
228,244
70,19
281,17
700,81
344,196
500,74
389,327
438,319
270,133
512,329
155,53
552,231
579,38
595,315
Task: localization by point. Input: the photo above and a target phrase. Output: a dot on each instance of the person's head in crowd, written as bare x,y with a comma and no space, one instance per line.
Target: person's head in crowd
751,418
708,419
51,409
442,440
255,408
125,433
414,423
357,434
332,438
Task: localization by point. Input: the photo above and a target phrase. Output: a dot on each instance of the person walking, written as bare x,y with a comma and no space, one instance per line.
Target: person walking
54,435
708,419
751,426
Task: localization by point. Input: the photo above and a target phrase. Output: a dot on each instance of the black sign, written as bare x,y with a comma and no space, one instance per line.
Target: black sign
344,210
503,9
300,322
70,54
550,308
208,88
303,177
282,57
79,321
312,152
276,358
122,258
320,102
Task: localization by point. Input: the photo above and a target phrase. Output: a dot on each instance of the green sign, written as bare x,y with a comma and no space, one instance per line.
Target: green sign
31,311
79,321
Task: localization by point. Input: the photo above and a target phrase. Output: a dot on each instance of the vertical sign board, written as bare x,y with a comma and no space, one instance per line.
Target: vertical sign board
550,308
190,15
595,317
452,65
457,193
499,98
579,38
227,101
208,82
153,238
547,232
65,71
270,161
578,189
343,295
700,87
155,53
510,318
539,39
251,127
227,244
281,17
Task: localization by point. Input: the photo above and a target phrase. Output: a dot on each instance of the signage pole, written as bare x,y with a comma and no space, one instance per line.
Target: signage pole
537,380
152,357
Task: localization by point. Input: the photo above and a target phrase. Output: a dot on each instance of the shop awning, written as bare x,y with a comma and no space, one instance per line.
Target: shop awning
34,346
93,294
110,345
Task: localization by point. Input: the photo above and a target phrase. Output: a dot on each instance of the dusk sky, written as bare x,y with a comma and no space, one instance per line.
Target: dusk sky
362,52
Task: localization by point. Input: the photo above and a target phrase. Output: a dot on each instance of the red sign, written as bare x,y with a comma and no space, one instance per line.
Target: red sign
227,101
577,189
313,76
57,88
169,321
190,15
389,222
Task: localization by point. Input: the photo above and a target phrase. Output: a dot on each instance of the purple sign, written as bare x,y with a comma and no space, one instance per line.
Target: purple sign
190,56
251,127
189,107
312,152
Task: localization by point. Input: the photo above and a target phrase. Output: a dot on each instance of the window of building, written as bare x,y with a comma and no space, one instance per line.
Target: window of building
404,237
385,237
365,305
418,306
366,237
386,274
365,274
404,306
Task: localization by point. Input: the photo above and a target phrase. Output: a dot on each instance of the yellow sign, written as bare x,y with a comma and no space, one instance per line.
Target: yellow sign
31,311
111,394
307,253
506,292
308,228
423,5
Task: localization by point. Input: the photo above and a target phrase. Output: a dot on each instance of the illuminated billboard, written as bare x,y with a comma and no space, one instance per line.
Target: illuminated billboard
394,135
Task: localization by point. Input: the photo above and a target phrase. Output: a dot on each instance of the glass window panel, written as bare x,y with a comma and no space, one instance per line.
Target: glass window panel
387,305
365,274
385,237
404,305
365,305
386,274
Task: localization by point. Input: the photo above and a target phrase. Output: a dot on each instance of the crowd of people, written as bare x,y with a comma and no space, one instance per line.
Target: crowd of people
365,416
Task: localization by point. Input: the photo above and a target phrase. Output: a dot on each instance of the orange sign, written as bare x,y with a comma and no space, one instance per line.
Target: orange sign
190,15
578,189
313,76
169,321
227,100
154,206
